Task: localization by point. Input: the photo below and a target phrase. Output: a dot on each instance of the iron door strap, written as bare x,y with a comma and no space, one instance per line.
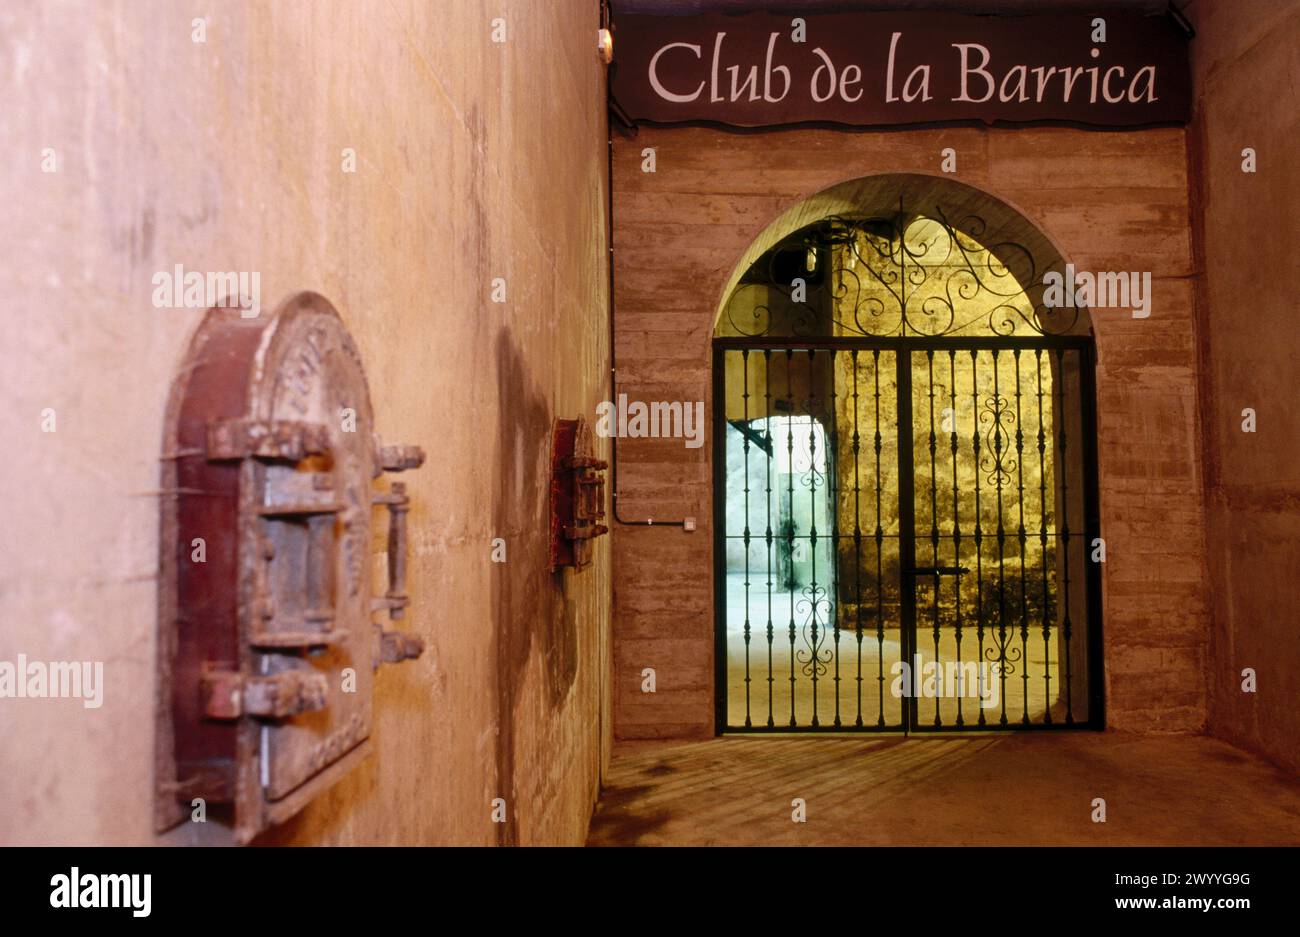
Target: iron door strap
937,570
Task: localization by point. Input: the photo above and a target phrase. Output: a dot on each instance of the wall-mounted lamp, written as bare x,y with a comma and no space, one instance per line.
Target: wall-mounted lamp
605,45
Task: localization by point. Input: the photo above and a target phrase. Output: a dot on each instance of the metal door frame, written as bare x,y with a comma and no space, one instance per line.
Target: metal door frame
903,348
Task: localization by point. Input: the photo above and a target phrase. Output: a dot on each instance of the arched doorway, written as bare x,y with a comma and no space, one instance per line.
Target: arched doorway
904,472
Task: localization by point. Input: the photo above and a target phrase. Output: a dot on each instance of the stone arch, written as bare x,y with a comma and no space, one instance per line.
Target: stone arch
1010,246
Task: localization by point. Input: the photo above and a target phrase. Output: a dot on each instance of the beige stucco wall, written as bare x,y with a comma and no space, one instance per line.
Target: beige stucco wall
1109,201
474,160
1246,62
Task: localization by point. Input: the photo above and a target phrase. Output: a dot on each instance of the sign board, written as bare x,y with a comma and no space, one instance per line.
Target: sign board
881,69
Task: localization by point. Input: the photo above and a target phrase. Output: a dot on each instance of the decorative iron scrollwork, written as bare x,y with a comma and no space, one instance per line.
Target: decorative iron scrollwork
904,274
817,609
997,467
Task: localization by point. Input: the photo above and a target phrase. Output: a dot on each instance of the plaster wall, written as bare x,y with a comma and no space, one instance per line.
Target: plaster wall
474,160
1246,65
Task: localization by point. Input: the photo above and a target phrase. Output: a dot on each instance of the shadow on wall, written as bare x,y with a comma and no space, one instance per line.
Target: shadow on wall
527,599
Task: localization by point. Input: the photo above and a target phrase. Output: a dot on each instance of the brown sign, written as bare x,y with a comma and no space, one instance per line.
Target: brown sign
871,69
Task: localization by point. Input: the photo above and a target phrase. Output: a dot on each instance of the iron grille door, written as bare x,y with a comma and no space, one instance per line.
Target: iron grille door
903,535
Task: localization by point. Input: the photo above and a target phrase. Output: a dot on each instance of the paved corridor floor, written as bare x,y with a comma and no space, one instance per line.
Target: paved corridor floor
1017,789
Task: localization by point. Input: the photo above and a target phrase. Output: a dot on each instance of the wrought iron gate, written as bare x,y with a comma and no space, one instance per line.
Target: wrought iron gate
904,532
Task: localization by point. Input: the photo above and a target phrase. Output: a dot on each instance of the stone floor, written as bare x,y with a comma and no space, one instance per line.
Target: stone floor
1031,788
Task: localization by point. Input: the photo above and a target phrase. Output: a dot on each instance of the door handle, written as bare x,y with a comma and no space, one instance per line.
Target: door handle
937,571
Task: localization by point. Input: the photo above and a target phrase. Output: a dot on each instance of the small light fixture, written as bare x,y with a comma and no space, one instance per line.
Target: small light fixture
605,44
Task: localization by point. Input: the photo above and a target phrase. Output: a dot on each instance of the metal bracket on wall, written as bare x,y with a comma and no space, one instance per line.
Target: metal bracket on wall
577,495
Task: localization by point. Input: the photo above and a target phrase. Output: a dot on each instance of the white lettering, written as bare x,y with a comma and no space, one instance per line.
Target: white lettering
654,75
